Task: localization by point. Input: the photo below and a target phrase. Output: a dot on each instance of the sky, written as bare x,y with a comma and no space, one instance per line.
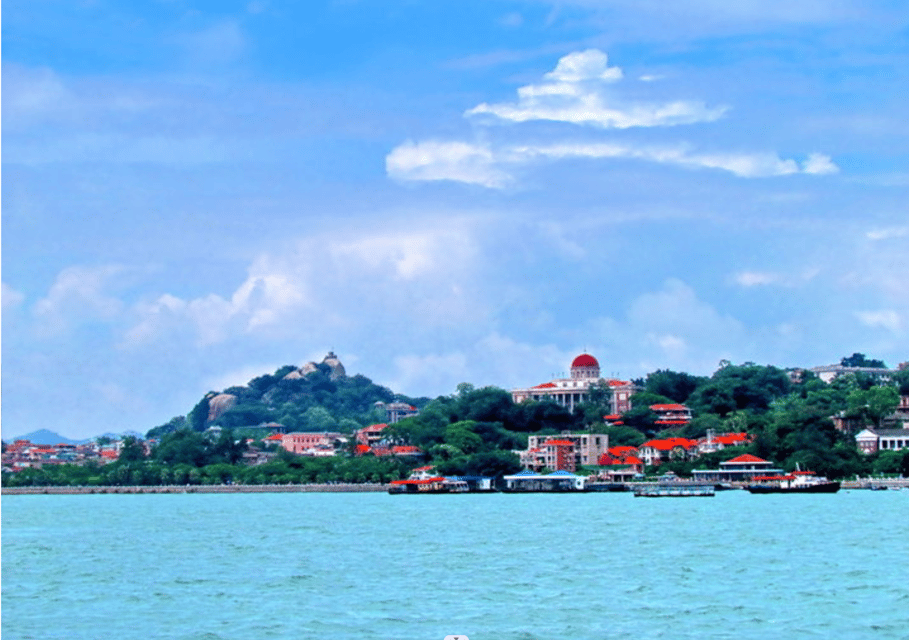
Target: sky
195,193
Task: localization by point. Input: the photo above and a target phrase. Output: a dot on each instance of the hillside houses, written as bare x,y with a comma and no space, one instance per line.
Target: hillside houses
23,454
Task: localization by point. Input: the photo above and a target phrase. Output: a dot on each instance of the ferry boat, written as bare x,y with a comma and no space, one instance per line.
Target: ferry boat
423,486
795,482
675,490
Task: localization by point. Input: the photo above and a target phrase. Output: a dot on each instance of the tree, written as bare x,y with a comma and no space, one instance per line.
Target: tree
860,360
131,450
875,403
676,386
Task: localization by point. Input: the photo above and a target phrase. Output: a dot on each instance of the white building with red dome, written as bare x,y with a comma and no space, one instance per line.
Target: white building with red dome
572,391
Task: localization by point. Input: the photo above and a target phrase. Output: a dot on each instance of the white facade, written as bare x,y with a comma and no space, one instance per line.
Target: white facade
573,391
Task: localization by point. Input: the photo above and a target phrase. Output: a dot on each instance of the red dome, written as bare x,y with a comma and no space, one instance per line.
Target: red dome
585,360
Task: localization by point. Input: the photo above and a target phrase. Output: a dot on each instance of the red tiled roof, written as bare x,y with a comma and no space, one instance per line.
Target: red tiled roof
666,444
732,438
669,407
745,457
545,385
406,449
622,450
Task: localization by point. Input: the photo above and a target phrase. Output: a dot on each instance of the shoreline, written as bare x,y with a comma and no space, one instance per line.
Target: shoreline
200,488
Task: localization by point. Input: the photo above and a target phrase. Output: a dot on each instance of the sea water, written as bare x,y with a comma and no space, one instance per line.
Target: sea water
356,566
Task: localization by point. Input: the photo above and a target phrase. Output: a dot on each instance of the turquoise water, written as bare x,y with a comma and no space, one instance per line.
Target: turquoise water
492,567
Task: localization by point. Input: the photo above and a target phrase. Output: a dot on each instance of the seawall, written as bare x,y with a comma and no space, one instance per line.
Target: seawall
201,488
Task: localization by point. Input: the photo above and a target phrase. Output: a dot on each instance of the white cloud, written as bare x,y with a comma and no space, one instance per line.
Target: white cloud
819,164
575,93
11,298
882,319
495,167
591,64
78,294
438,160
887,233
329,284
778,278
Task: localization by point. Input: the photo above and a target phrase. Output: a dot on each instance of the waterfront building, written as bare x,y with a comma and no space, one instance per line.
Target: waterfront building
587,447
571,391
740,469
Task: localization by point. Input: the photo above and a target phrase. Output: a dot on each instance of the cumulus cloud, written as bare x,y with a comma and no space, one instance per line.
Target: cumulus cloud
330,284
819,164
78,294
579,92
575,92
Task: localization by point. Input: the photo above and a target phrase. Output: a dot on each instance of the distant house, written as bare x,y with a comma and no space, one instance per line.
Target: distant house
397,411
829,372
874,440
671,415
372,435
625,457
655,452
713,442
312,444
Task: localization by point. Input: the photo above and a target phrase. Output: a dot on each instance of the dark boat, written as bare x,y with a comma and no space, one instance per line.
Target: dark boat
795,482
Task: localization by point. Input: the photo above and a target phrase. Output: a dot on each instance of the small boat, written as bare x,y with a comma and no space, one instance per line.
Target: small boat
795,482
674,490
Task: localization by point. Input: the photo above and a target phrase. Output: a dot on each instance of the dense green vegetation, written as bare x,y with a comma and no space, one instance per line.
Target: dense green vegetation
474,431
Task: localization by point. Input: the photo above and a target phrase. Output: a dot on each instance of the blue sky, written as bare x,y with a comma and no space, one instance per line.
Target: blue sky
196,193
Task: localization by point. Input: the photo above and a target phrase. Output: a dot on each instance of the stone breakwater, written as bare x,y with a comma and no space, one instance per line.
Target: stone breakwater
201,488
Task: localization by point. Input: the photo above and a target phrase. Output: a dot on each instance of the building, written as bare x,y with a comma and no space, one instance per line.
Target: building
740,469
397,411
371,436
588,447
713,442
571,391
874,440
313,444
657,451
671,415
828,372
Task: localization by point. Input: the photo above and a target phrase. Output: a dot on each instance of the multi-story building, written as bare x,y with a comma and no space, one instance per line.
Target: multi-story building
314,444
571,391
